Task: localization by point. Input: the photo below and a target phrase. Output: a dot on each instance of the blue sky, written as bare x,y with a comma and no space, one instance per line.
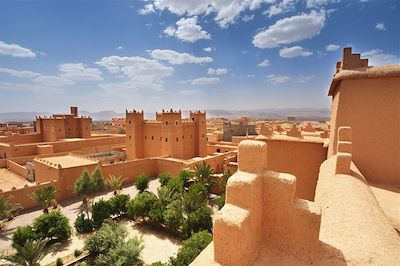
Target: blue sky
210,54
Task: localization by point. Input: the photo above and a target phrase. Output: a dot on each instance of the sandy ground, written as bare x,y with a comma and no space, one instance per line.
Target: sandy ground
389,199
8,180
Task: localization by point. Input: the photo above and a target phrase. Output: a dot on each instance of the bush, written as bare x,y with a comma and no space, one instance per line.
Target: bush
107,237
198,220
118,204
83,225
191,248
175,185
156,212
22,234
141,205
101,210
77,252
221,201
142,182
52,225
123,254
164,178
173,216
59,262
159,263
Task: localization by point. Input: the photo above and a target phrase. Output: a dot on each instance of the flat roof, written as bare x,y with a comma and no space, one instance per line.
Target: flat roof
68,161
8,180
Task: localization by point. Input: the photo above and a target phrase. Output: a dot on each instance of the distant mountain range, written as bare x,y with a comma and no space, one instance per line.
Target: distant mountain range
273,113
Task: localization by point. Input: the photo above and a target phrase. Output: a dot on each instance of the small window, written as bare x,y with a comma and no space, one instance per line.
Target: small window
160,138
152,137
193,119
203,136
218,150
145,137
130,137
183,137
130,122
166,139
177,139
166,123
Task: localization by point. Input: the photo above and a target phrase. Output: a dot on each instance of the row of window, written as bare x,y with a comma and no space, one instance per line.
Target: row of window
166,139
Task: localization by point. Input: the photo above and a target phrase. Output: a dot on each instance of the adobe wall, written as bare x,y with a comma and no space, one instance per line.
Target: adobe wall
16,168
23,195
371,106
3,163
22,139
301,159
169,166
353,221
129,170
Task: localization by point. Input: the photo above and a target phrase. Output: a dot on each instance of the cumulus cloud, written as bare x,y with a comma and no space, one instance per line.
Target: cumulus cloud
205,81
147,9
378,57
248,18
264,63
217,71
280,8
295,51
226,11
15,50
79,72
209,49
319,3
176,58
332,47
187,30
290,30
142,73
380,26
277,79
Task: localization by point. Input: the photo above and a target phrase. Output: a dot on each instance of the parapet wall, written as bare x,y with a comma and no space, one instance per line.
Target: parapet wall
16,168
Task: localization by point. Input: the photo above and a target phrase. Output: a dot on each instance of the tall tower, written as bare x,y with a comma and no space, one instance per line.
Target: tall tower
199,118
134,134
74,111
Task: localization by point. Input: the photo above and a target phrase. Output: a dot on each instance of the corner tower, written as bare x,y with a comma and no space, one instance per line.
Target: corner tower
134,134
199,118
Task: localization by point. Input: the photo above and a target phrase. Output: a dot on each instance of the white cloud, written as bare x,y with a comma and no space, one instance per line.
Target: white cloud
19,73
290,30
380,26
189,92
119,48
176,58
332,47
280,8
264,63
377,57
320,3
205,81
227,11
15,50
277,79
295,51
149,8
209,49
304,79
187,30
248,18
217,71
143,73
79,72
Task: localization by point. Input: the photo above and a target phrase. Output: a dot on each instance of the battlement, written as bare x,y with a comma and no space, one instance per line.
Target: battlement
171,111
133,111
351,61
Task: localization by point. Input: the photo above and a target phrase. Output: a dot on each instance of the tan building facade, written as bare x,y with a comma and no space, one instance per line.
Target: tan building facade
168,136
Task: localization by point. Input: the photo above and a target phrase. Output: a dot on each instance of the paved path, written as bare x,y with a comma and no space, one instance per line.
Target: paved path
69,207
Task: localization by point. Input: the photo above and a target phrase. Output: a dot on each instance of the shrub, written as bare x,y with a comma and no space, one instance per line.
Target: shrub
159,263
83,225
198,220
107,237
191,248
141,205
22,234
52,225
123,254
77,252
221,201
173,216
101,210
199,190
164,178
59,262
175,185
118,204
142,182
156,212
185,177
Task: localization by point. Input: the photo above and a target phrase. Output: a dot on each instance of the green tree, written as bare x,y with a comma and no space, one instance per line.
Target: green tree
7,208
22,234
118,204
164,178
107,237
30,254
191,248
142,182
98,179
52,225
101,210
115,183
45,197
123,254
140,206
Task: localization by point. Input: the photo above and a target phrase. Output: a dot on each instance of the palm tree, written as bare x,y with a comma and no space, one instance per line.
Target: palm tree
115,183
45,196
7,208
202,173
30,254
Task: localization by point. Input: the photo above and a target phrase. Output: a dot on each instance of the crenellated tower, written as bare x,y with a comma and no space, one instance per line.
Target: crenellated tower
200,132
134,134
